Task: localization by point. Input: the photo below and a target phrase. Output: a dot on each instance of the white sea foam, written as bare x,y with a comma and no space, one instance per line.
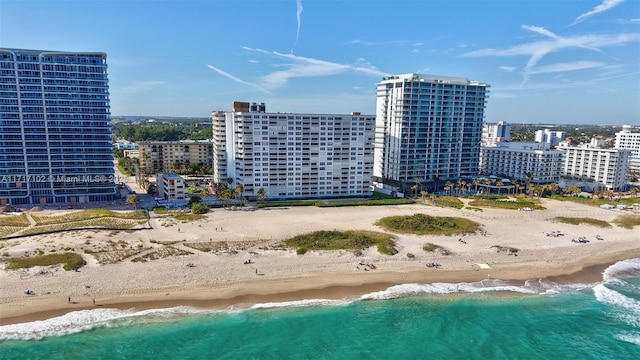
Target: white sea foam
623,307
532,287
300,303
633,338
622,269
84,320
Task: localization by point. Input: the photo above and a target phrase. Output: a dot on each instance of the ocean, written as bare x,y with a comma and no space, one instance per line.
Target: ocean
492,319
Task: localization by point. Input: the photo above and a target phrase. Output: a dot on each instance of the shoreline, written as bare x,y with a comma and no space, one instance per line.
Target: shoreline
212,296
205,261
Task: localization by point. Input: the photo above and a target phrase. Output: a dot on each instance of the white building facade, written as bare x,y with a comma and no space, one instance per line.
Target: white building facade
292,155
171,187
606,168
551,137
516,160
628,139
493,133
428,127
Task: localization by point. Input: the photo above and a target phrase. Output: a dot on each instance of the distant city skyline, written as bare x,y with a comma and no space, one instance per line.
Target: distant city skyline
552,62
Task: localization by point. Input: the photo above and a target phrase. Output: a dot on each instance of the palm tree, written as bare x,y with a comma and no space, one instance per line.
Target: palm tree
418,183
448,186
527,181
436,180
238,191
261,194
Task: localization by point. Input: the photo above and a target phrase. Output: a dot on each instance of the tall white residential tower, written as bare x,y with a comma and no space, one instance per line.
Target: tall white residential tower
428,127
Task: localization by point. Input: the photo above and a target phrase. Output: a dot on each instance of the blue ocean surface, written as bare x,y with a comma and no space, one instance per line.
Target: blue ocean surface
491,319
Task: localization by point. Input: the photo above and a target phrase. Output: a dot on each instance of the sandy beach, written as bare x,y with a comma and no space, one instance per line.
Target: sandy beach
188,276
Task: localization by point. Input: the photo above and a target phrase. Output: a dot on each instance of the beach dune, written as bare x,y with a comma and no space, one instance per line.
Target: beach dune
190,274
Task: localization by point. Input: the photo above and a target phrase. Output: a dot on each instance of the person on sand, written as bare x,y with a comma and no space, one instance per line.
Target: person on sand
69,299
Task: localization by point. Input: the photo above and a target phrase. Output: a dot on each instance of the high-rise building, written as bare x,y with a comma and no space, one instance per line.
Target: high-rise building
550,137
292,155
428,127
628,139
55,133
493,133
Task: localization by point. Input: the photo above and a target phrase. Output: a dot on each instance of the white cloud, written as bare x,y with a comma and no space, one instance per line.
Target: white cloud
300,66
562,67
508,68
537,50
298,14
253,61
606,5
223,73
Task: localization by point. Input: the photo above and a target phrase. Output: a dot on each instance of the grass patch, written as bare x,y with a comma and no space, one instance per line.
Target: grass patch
422,224
472,208
165,252
89,214
595,202
627,221
114,256
448,201
343,240
435,248
232,247
578,221
506,203
14,220
367,202
69,260
507,249
287,203
105,223
186,216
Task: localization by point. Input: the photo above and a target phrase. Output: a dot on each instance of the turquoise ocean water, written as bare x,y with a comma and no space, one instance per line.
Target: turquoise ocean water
492,319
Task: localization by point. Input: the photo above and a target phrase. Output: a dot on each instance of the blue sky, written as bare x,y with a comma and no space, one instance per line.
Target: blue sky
563,61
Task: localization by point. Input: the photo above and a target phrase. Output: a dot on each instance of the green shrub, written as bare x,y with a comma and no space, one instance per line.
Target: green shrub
343,240
578,221
422,224
71,261
199,208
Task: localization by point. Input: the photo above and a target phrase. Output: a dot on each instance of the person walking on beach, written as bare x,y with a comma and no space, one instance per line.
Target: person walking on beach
69,299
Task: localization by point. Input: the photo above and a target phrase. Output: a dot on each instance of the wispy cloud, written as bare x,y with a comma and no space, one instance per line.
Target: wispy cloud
223,73
537,50
301,67
508,68
563,67
606,5
298,17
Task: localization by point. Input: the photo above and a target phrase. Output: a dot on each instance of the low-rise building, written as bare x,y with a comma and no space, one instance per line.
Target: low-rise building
522,160
171,187
122,144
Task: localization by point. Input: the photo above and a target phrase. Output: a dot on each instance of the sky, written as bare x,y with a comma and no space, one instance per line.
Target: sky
552,62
